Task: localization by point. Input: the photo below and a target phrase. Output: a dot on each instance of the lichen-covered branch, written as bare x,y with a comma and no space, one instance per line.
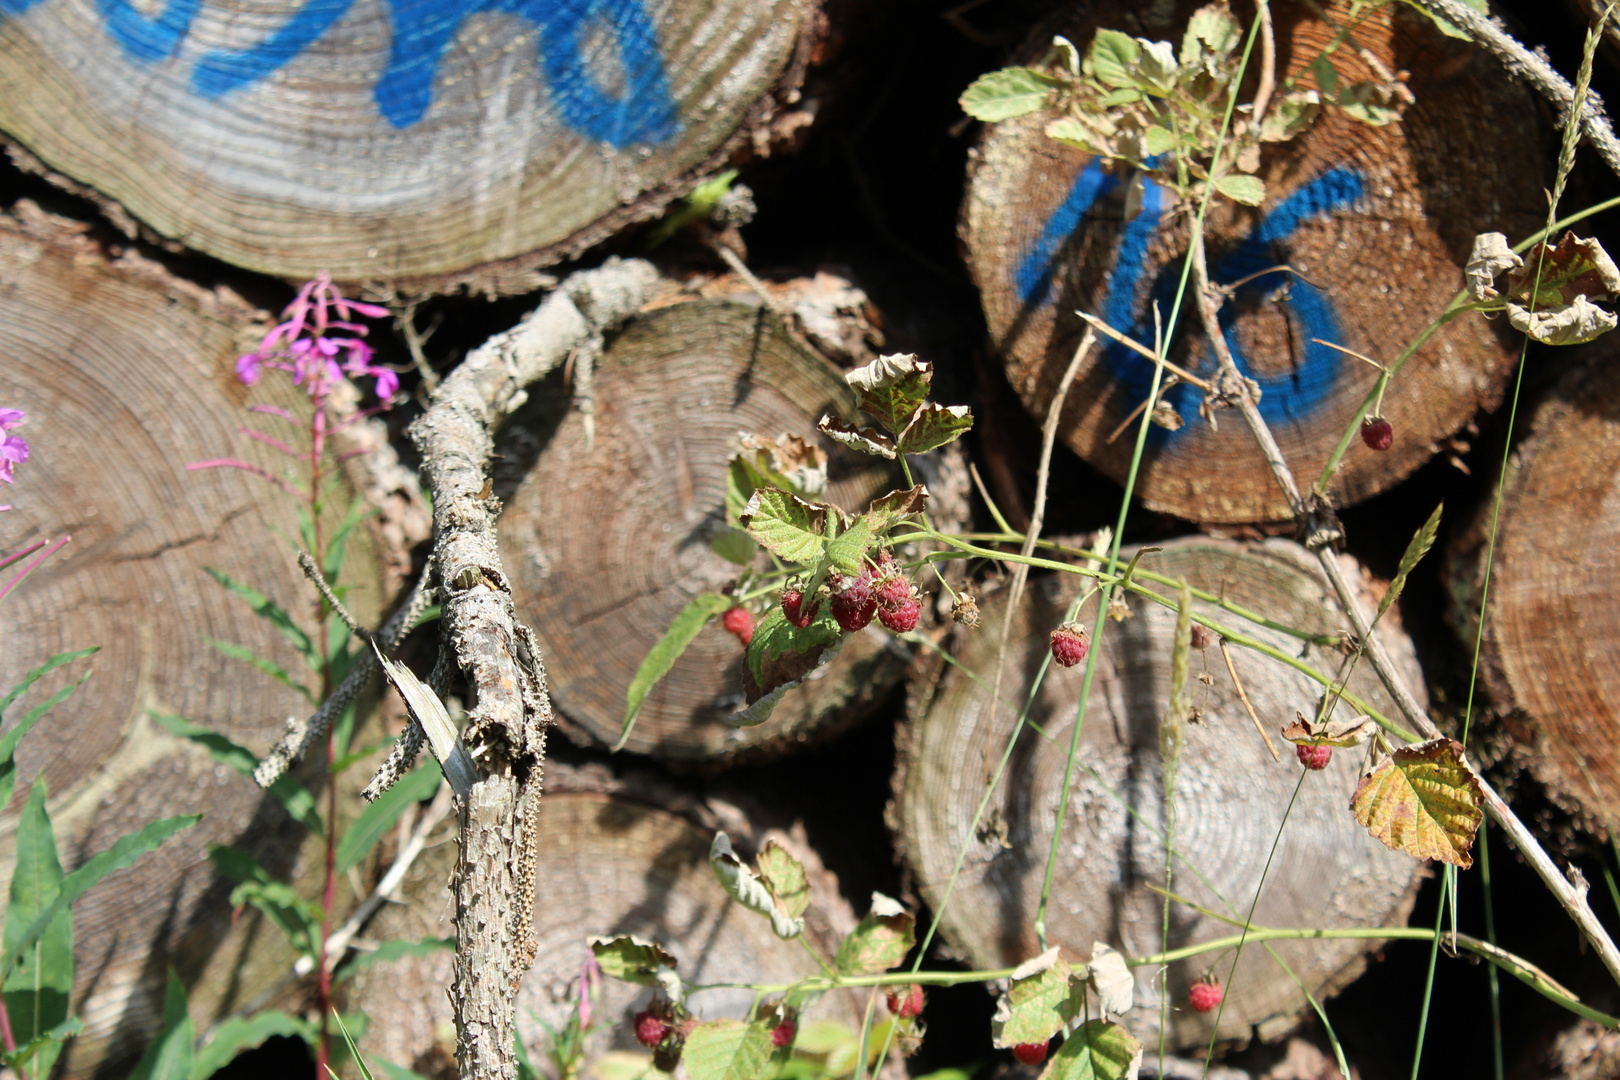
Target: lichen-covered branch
509,709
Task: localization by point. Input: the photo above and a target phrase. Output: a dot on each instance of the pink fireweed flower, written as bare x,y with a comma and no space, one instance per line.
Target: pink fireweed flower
300,346
13,448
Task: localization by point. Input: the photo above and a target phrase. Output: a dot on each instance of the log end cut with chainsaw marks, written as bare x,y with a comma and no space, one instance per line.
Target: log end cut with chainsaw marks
1551,650
413,139
1230,794
608,540
1377,222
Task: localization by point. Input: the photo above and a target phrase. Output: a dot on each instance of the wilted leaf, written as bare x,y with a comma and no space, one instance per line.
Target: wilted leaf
1349,731
887,510
1064,50
747,889
934,426
1416,548
36,991
662,656
728,1050
1042,995
786,525
1211,35
1113,58
1096,1051
780,652
1157,70
1491,256
1004,94
168,1057
634,960
892,388
1552,276
784,876
1248,190
880,941
1423,800
1112,979
1367,102
1290,114
1073,133
790,457
1575,324
867,440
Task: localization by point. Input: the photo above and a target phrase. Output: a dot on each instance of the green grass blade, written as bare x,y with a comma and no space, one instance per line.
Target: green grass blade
169,1057
378,817
270,611
354,1051
36,992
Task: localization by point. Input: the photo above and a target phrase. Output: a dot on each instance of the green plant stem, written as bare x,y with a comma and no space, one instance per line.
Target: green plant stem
1447,881
1482,845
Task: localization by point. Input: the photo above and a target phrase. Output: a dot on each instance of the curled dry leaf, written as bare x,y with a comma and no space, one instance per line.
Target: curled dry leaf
748,890
897,505
635,960
1423,800
1351,731
933,426
1490,257
1112,979
1551,293
892,388
880,941
1574,324
867,440
802,463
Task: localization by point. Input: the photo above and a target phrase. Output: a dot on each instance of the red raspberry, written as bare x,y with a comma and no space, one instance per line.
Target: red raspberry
1377,433
737,621
1070,643
906,1002
893,590
782,1034
1031,1053
791,600
1205,995
853,602
903,617
1315,758
650,1030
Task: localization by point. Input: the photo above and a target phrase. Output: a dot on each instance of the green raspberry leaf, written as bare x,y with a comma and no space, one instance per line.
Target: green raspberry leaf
1004,94
785,525
880,941
934,426
1042,996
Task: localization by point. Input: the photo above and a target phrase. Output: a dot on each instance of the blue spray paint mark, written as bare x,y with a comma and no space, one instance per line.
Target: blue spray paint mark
1035,272
1285,396
146,38
423,29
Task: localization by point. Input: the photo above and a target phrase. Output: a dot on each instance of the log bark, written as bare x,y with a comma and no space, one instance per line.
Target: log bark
1230,797
1377,222
127,375
621,855
607,540
1551,650
419,144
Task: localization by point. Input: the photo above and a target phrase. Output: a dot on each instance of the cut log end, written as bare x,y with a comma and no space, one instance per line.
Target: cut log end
607,540
406,143
1377,222
1551,649
1230,796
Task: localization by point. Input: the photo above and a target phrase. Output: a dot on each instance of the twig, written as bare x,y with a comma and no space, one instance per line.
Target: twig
1231,670
1147,353
1533,70
306,563
302,734
1268,66
338,942
500,658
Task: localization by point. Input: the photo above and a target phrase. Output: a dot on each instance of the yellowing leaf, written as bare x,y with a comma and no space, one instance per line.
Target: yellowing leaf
1248,190
934,426
880,941
785,877
1423,800
728,1050
1002,95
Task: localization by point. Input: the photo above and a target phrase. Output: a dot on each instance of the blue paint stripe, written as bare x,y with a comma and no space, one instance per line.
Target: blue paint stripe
223,70
147,38
1034,276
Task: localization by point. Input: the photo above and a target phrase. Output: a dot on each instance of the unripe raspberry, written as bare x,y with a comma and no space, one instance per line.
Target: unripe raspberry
903,617
737,621
1031,1053
1205,995
782,1034
1377,433
853,602
650,1030
792,599
906,1002
1070,643
1315,758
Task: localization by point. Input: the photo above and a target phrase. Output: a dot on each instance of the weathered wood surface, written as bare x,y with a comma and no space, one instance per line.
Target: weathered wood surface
127,375
1551,652
1377,221
607,542
617,856
1230,795
407,142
